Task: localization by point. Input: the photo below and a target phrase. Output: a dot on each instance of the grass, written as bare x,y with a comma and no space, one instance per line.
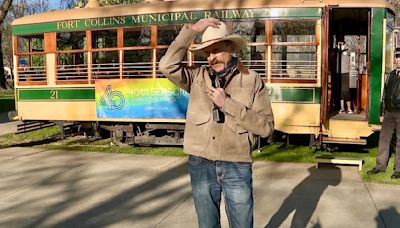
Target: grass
7,102
81,143
32,138
6,93
303,154
49,138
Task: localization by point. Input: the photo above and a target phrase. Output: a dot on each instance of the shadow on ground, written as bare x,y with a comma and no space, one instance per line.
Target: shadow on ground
304,198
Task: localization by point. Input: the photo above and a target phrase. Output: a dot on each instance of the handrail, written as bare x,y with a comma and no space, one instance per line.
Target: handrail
72,72
298,70
137,70
105,70
32,73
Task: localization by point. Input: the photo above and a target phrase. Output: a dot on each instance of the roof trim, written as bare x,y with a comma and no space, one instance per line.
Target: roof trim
186,5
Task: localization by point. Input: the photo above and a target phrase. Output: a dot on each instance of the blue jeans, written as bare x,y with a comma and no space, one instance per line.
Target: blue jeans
209,179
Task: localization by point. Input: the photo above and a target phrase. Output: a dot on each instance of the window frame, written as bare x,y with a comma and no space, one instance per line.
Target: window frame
271,43
81,70
33,71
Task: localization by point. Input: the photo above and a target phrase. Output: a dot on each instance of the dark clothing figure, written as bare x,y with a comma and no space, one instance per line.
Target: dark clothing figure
345,90
391,92
391,122
345,95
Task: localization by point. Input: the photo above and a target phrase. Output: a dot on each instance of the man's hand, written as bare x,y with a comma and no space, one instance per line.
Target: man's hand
202,24
218,96
381,118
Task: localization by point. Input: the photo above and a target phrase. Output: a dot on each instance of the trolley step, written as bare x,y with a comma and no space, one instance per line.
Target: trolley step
28,126
349,129
339,160
330,140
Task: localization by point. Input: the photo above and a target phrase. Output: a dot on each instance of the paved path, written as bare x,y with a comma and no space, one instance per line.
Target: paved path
44,188
7,126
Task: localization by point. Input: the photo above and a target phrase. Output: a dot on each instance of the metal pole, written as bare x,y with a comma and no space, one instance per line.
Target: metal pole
358,93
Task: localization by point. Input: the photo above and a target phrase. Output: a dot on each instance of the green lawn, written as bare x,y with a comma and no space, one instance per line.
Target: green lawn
6,93
7,102
278,152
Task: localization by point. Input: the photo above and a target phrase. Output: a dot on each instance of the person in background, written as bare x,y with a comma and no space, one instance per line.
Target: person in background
390,108
345,94
229,107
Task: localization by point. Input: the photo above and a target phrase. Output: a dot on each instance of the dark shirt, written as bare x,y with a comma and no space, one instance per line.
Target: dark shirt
392,92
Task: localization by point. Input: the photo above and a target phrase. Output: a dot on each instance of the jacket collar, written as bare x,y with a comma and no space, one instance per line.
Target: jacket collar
242,68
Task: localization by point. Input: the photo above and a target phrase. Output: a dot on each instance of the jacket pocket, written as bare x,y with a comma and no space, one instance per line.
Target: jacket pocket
198,119
197,129
235,140
235,127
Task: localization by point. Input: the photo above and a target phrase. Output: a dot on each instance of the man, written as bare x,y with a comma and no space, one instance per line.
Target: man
229,107
391,121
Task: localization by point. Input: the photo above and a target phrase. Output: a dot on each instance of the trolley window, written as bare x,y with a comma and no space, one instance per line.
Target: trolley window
137,36
105,57
105,64
71,41
294,51
253,55
167,34
31,64
72,67
30,44
137,63
72,59
104,39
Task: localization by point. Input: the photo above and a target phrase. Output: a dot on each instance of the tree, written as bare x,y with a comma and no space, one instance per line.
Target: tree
69,4
120,2
12,10
3,13
17,9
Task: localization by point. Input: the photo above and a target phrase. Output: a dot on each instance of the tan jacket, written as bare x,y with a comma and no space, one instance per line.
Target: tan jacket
247,108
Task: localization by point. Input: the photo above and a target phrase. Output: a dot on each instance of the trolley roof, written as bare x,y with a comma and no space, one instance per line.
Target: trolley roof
187,5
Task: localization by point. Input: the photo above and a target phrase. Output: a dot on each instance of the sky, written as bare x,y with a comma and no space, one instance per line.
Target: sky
55,4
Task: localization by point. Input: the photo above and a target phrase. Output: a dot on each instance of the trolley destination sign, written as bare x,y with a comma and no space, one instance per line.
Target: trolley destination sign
165,18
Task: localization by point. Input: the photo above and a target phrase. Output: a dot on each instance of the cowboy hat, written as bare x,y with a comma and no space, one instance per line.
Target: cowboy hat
213,35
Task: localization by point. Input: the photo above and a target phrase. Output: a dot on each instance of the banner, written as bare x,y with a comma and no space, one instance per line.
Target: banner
140,99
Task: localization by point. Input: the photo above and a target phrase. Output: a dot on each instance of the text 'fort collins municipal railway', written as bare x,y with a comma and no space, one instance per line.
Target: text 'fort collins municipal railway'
154,18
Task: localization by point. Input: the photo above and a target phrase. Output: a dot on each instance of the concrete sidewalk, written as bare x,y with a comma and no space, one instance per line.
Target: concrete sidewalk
6,125
43,188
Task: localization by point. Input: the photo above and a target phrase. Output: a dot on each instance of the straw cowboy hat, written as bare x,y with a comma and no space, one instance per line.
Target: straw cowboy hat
213,35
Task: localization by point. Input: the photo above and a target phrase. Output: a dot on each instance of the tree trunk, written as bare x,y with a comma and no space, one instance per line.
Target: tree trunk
3,13
3,82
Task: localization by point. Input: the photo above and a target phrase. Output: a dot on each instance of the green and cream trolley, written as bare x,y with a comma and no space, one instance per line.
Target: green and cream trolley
98,65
